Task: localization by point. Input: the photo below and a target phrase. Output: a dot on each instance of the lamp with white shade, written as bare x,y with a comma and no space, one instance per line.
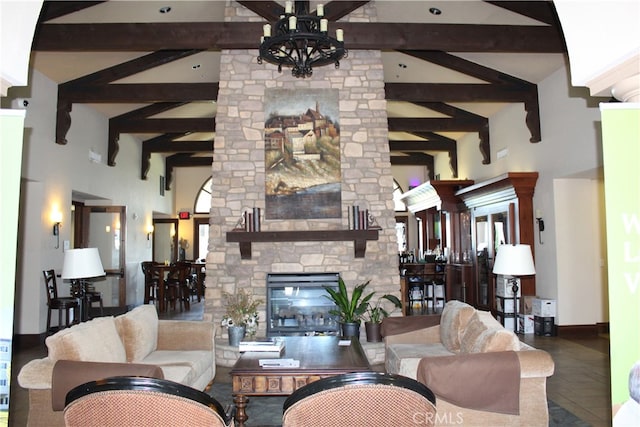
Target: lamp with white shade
514,261
80,265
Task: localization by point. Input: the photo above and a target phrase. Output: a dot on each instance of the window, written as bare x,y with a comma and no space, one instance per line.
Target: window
397,192
203,199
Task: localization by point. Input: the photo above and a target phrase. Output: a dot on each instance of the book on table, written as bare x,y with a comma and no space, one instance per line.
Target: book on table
268,345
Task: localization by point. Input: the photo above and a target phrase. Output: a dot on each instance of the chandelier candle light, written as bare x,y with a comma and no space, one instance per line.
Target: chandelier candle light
301,41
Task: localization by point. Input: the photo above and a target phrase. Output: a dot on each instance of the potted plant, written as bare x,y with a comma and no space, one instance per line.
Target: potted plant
241,315
376,313
350,308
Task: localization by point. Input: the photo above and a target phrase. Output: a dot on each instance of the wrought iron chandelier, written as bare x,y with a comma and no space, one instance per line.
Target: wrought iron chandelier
301,41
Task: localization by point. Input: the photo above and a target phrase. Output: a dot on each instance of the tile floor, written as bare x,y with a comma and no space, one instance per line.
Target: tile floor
580,383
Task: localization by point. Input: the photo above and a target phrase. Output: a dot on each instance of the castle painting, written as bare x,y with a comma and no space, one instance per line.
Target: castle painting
302,154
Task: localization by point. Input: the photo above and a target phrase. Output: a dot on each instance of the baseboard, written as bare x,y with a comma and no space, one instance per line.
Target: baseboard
583,330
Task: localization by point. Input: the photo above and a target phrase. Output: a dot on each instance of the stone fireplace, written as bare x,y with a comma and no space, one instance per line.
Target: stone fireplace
238,173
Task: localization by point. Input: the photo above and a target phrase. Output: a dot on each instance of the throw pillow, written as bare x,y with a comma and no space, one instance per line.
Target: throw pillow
484,333
139,331
454,319
94,341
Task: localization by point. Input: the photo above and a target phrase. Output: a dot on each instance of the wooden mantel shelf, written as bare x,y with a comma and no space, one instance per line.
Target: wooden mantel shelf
359,237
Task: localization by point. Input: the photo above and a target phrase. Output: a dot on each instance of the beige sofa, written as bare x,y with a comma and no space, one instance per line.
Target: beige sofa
480,372
124,345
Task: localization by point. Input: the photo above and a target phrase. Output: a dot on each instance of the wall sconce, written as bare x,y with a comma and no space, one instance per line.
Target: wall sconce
540,225
56,218
149,231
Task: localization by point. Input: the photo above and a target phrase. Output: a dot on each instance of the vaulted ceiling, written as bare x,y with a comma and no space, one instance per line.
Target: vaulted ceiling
152,67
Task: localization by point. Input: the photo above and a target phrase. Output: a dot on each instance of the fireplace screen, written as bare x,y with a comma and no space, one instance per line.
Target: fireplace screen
296,304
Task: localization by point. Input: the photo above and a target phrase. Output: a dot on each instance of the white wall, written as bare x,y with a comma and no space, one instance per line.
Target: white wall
580,247
570,148
50,174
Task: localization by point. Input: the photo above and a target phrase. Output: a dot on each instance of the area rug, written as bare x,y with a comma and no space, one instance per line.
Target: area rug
267,411
263,411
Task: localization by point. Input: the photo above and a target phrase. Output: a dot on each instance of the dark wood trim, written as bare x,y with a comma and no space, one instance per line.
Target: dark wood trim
141,92
434,124
145,37
359,238
183,160
131,67
506,187
580,330
454,92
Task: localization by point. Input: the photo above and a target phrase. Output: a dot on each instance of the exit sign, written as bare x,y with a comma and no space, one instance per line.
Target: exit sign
184,215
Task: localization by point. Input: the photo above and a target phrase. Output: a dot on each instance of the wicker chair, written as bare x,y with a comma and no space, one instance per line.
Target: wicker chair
141,401
361,399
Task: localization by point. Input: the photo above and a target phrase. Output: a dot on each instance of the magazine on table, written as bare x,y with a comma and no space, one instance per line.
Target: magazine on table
268,345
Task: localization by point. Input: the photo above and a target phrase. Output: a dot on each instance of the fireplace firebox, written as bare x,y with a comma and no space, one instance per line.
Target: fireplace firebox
296,304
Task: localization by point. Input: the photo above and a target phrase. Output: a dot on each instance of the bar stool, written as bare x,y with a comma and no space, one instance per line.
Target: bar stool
61,304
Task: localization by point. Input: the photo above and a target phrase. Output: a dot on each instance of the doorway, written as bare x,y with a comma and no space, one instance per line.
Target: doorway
165,240
104,227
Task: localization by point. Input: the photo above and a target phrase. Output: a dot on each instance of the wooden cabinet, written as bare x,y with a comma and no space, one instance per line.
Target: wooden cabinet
501,212
460,282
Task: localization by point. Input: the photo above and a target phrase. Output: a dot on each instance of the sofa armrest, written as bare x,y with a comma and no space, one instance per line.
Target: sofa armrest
535,363
186,335
36,374
428,335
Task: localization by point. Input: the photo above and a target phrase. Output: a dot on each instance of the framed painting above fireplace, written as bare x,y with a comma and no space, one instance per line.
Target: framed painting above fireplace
302,154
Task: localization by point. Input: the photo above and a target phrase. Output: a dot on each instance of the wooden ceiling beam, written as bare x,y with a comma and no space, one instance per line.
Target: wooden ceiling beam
166,144
141,92
420,146
182,160
168,125
433,124
453,92
464,66
145,37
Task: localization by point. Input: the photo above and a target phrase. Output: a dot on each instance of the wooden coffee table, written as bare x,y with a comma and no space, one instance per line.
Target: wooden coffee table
319,357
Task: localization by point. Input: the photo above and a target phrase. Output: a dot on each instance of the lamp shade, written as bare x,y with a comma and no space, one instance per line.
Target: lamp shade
514,260
82,264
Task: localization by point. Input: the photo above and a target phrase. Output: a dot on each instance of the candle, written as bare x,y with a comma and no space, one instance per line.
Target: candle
266,29
287,7
293,21
324,23
321,10
339,35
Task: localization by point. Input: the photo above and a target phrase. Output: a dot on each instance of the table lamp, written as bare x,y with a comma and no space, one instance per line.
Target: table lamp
80,265
514,261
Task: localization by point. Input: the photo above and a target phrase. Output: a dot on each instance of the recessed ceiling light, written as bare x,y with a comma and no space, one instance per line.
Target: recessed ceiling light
165,9
435,11
195,66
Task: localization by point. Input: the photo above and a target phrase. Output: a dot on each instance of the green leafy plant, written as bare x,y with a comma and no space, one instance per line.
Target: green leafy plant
350,308
376,312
